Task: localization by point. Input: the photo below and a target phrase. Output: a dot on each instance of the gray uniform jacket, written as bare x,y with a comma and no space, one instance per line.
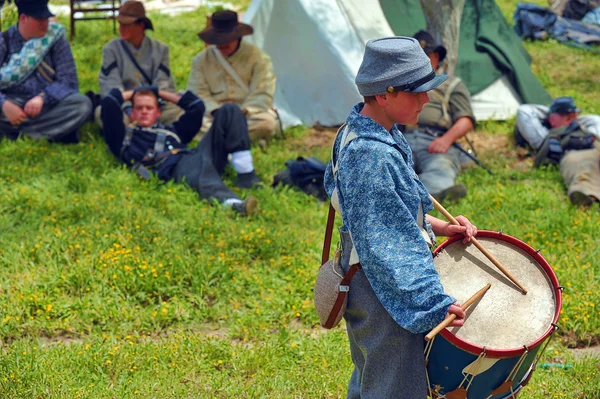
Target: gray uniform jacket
119,71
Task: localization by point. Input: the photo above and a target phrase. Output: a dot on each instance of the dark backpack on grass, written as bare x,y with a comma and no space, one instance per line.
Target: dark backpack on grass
307,174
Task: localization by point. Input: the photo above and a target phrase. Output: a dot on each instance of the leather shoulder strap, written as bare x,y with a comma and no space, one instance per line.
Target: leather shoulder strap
229,69
446,103
328,233
134,61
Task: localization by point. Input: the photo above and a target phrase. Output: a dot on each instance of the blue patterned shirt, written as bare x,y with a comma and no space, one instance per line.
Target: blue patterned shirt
379,195
59,57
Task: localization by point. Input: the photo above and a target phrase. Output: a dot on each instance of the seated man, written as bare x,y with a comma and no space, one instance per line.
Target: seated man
230,70
563,138
38,82
445,119
135,60
148,146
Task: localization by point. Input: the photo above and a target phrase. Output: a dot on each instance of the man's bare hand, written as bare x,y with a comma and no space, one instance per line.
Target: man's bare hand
168,96
34,106
127,95
439,146
14,113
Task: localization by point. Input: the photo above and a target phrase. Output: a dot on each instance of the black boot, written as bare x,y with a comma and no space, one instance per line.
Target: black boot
71,138
451,194
580,199
247,180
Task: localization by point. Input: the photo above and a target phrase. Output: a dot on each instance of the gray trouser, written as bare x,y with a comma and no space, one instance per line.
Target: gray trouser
436,171
202,168
53,122
388,360
581,171
261,125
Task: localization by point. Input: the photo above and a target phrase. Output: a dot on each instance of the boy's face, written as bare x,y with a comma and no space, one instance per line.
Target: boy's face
404,108
145,110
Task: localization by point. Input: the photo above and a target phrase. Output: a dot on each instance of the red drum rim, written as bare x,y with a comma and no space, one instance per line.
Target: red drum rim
503,353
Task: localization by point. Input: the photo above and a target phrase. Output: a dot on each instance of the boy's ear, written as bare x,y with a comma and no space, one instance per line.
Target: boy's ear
381,99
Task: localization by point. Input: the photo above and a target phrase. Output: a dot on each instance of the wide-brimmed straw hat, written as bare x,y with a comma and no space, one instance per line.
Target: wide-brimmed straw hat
223,27
133,11
396,64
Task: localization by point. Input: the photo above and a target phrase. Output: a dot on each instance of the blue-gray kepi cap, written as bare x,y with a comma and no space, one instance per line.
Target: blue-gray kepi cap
563,105
396,64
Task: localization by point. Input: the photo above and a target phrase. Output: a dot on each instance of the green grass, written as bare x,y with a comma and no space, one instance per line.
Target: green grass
113,287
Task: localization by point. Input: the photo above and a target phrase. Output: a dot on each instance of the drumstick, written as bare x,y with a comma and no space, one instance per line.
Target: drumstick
451,318
484,251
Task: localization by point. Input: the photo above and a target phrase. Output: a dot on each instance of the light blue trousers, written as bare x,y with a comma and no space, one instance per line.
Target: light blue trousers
388,360
436,171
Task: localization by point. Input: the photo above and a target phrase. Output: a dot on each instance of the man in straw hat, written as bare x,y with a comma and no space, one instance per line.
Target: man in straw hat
230,70
135,60
38,81
445,119
397,295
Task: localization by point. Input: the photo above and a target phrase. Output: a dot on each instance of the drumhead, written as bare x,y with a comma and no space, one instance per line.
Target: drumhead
504,319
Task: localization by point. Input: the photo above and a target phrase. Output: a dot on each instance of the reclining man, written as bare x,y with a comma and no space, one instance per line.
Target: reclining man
147,146
230,70
135,60
445,119
561,137
39,98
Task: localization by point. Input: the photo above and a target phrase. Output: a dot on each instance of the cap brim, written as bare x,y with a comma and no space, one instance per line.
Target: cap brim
432,84
40,14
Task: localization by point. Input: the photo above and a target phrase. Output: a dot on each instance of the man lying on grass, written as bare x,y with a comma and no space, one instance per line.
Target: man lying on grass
564,138
148,146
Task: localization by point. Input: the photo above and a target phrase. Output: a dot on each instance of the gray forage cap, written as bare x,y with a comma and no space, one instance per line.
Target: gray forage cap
396,64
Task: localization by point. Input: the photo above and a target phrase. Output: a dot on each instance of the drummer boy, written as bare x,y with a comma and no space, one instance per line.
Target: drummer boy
397,296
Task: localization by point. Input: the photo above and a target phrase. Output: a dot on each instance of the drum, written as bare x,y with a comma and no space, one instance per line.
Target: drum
494,354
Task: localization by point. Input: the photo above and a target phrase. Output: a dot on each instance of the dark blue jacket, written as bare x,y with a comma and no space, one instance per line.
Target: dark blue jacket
143,140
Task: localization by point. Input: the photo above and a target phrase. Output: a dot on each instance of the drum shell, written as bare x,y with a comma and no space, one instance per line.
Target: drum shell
446,370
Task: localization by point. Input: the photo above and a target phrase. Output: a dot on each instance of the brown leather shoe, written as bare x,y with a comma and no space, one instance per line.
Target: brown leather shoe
246,208
451,194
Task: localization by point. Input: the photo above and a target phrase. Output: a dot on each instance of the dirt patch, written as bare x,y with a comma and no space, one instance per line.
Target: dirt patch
317,137
483,142
570,340
592,351
62,338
